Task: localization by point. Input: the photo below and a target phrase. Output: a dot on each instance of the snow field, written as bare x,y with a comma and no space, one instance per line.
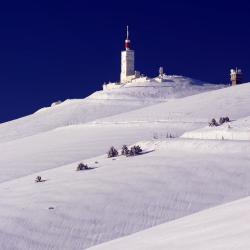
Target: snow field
121,196
235,130
201,108
226,227
100,104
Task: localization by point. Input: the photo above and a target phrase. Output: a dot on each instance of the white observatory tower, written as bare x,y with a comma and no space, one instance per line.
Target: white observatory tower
127,62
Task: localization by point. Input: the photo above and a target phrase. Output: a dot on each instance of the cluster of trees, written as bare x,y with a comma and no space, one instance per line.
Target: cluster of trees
134,150
222,120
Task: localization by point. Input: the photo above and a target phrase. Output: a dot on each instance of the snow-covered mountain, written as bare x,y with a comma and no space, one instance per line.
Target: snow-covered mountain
171,87
102,104
173,178
230,101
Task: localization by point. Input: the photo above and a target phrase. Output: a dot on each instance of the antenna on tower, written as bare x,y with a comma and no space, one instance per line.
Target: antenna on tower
127,41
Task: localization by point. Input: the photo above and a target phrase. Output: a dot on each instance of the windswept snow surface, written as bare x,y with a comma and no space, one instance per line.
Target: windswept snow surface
225,227
68,113
172,87
69,144
102,104
231,101
235,130
174,178
122,196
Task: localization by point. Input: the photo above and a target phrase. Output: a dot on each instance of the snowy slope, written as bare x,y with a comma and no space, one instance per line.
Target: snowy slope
225,227
231,101
71,143
121,196
172,87
235,130
101,104
67,113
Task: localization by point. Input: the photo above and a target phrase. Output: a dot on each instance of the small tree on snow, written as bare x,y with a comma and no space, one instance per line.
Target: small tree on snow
82,166
138,149
112,152
170,136
223,120
125,150
38,179
213,123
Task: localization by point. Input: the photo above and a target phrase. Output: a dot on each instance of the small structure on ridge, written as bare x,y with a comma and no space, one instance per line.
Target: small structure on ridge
236,76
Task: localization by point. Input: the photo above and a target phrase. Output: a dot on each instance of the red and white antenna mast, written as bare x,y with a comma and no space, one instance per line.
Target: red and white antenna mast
127,41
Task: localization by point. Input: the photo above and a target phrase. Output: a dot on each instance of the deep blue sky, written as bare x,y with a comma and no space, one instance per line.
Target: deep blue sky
54,50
